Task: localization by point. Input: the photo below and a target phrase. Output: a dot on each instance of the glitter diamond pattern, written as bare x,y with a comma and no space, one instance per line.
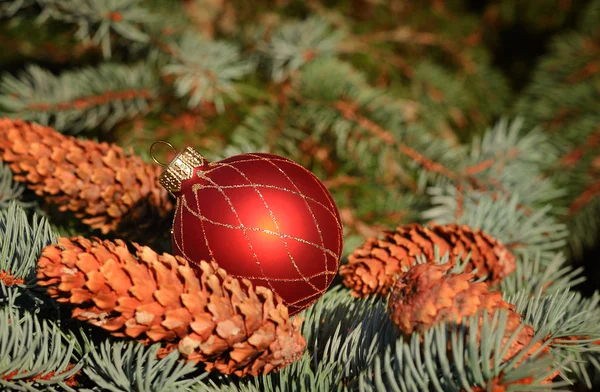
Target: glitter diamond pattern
264,218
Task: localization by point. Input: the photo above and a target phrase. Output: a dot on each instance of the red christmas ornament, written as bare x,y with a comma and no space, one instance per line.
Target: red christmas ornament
259,216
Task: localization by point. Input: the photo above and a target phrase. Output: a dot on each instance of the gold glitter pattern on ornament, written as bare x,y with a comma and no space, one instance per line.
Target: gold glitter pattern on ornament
329,274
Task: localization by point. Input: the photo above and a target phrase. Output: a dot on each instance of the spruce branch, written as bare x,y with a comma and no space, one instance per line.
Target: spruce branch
448,103
34,353
588,22
79,100
585,227
369,207
204,70
507,158
535,275
522,233
21,241
591,192
454,358
291,45
540,16
130,366
10,8
377,360
364,119
406,35
572,324
99,21
335,100
503,163
562,98
578,151
10,190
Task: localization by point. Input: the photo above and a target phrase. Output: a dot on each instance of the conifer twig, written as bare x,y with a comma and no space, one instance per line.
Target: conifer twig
82,99
588,194
590,144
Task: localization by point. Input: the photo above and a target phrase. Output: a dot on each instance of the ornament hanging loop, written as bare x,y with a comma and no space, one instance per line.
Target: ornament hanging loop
159,163
180,169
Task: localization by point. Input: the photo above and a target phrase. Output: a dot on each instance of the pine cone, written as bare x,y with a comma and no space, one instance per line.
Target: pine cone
107,189
373,267
207,315
425,296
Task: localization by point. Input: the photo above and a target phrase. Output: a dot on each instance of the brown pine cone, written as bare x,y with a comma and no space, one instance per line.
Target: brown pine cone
426,295
106,188
207,315
373,267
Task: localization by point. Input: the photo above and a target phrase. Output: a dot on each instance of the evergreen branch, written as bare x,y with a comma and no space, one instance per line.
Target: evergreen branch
588,22
351,107
342,111
563,99
79,100
350,111
572,323
254,132
532,276
10,190
348,338
371,208
289,46
97,20
589,193
506,142
448,103
505,160
10,9
34,354
454,358
407,35
584,227
204,70
501,218
588,71
21,243
129,366
564,313
359,117
577,152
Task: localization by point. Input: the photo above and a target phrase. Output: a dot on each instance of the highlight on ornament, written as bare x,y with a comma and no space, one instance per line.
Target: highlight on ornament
261,217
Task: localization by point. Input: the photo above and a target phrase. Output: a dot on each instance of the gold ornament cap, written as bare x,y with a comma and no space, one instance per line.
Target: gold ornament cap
180,169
